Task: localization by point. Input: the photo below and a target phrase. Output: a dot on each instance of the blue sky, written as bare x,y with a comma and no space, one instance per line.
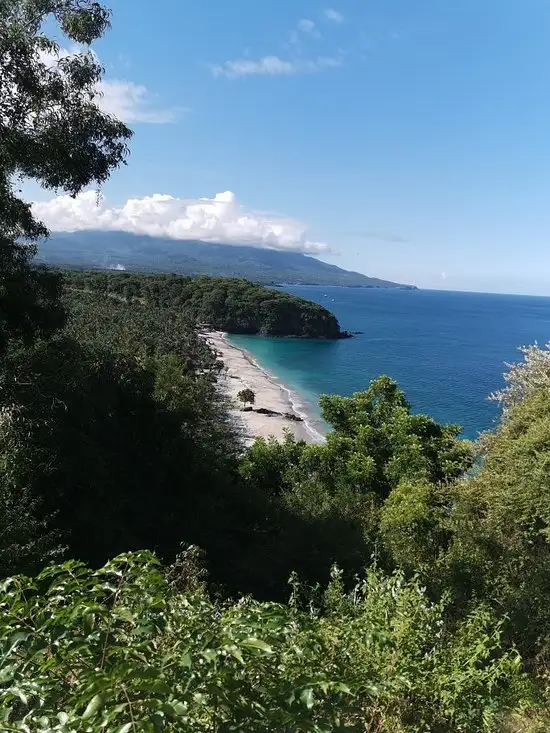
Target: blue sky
411,137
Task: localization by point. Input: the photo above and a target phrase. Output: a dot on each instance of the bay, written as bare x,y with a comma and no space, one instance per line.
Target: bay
447,350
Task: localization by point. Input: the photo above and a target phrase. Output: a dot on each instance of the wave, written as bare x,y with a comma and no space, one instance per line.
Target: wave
300,409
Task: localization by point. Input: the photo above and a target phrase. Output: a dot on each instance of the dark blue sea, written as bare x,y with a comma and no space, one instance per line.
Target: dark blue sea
446,350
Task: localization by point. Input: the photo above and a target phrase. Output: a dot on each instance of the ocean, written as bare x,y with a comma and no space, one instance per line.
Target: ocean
447,350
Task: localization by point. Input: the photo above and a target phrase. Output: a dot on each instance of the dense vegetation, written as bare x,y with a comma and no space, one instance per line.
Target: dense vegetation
140,654
220,303
418,599
141,253
115,439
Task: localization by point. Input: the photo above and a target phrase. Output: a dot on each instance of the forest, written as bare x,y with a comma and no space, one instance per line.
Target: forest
219,303
158,575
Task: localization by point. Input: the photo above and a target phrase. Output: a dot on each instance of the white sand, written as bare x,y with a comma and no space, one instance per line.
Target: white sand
241,372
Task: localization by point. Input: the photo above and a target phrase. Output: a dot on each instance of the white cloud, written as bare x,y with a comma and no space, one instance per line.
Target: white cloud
308,26
304,27
221,219
275,66
131,102
334,16
128,101
272,65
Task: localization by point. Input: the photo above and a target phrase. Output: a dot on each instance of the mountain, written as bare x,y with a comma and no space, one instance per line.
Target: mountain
137,252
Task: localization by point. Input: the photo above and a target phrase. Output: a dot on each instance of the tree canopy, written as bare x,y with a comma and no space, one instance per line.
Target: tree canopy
247,396
218,303
51,131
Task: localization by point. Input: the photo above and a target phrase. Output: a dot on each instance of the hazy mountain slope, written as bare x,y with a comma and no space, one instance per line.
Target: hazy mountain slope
123,250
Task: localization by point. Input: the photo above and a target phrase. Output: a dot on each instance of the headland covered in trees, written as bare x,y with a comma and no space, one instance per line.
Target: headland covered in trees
217,303
159,576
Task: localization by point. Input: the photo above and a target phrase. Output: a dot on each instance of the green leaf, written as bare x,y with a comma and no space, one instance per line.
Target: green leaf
95,704
180,708
124,728
7,673
20,694
253,643
306,697
341,687
148,672
235,653
88,623
18,637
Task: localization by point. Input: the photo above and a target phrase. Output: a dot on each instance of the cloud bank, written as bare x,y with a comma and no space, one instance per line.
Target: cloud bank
220,219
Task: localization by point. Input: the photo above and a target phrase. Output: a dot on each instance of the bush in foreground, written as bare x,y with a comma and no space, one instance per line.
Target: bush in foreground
122,649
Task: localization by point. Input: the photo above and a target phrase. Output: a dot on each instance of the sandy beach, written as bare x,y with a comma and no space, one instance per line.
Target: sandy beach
241,372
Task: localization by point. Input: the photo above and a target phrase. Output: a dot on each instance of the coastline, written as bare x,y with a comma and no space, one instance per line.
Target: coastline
243,372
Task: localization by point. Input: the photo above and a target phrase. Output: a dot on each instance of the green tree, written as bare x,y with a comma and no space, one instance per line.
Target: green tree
335,492
247,396
488,536
415,525
51,131
501,543
395,444
121,450
525,377
27,540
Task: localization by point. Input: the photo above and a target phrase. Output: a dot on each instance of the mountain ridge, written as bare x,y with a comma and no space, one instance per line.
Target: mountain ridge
111,250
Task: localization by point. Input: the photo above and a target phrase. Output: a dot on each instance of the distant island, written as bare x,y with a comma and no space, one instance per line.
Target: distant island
141,253
214,303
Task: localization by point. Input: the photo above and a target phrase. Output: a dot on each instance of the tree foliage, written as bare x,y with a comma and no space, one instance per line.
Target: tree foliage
525,377
507,510
219,303
376,444
109,410
247,396
487,536
121,649
51,131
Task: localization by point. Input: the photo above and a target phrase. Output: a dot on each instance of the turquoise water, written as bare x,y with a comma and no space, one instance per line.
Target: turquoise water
447,350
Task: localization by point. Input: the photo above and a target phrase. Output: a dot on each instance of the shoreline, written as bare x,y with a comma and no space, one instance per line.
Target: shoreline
243,372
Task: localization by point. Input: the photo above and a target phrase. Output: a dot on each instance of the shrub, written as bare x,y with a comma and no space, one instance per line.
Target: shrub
121,649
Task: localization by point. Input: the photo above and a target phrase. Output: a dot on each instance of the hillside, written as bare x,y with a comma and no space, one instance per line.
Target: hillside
225,304
135,252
